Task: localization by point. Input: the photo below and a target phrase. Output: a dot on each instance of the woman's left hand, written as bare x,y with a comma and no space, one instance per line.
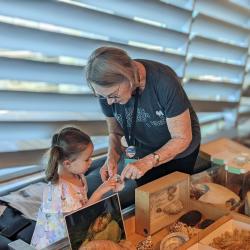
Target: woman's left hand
136,169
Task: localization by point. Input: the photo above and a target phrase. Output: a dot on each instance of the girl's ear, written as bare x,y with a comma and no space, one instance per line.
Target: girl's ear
66,164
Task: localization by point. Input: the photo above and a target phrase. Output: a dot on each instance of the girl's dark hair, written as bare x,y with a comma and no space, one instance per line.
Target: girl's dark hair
66,144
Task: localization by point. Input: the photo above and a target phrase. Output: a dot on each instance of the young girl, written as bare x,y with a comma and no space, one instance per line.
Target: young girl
69,159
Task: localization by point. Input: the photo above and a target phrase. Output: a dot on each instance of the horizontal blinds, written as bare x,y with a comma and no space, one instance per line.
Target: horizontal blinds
44,47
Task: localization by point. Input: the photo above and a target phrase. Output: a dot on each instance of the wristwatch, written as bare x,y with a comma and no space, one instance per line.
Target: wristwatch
156,158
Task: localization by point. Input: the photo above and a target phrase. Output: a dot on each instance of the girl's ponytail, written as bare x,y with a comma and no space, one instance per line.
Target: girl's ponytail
51,171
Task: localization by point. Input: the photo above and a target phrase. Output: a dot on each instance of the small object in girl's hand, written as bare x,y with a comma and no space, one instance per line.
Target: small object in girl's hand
117,178
119,183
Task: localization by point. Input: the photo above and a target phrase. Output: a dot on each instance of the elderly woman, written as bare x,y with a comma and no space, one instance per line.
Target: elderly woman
148,114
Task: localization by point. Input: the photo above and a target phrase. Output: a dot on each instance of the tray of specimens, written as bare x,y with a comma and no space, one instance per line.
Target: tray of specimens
233,234
164,210
198,220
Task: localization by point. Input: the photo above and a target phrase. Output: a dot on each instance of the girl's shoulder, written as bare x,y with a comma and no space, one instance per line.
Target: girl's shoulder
64,196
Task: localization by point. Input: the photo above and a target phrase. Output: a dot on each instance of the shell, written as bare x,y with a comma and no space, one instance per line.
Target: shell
107,245
173,241
217,194
183,228
146,244
172,189
174,208
119,183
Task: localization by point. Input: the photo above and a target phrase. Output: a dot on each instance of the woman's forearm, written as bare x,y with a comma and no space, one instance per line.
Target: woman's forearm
181,136
171,149
166,153
114,150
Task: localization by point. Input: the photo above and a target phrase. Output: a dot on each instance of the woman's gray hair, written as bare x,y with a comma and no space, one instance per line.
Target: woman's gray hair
108,66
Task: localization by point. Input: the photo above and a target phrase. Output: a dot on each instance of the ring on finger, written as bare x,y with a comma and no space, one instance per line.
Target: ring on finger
134,176
129,174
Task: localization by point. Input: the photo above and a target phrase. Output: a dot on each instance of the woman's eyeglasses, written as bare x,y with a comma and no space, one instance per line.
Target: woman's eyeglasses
114,96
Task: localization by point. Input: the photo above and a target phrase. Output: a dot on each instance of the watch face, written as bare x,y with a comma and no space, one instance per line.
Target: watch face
156,158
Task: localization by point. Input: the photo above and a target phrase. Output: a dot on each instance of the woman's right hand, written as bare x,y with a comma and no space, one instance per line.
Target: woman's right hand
108,169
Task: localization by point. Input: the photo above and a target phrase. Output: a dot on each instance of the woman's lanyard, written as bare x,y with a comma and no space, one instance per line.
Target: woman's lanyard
130,137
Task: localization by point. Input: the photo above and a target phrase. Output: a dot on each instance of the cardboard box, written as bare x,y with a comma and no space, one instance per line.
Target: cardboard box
152,200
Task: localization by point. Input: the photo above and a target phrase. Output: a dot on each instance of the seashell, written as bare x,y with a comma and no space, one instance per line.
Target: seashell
119,183
217,194
183,228
173,241
172,189
174,208
107,244
146,244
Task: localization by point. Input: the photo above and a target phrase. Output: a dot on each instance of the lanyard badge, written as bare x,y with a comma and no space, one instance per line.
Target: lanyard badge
129,140
130,151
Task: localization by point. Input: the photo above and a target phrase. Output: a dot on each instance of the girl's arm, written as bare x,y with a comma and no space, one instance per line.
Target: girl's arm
101,190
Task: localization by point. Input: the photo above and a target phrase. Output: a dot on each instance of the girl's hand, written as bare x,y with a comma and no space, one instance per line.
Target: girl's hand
101,190
109,169
106,186
136,170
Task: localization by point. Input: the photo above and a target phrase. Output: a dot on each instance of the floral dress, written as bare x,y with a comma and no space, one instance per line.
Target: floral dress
58,199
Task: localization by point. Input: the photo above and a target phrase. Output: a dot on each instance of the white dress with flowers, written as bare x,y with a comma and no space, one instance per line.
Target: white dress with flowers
58,199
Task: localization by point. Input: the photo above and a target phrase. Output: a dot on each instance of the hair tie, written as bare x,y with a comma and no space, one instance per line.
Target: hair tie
55,146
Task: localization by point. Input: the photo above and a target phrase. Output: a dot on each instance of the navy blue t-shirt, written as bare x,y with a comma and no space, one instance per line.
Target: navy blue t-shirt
163,97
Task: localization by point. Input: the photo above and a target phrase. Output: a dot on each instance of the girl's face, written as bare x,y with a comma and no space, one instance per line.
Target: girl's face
81,164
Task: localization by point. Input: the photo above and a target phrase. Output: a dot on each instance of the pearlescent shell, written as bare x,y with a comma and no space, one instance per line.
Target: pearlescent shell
173,241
